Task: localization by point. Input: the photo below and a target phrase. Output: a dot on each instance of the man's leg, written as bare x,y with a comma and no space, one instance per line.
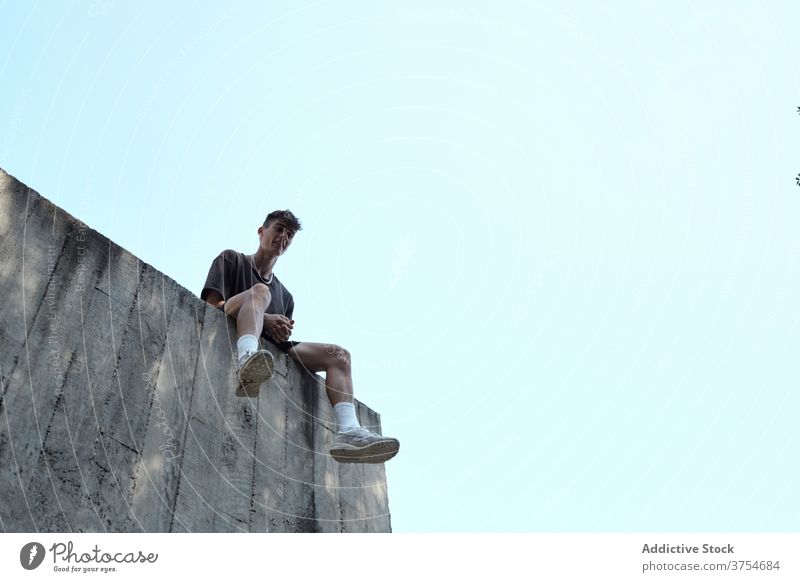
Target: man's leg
353,443
255,366
248,308
334,361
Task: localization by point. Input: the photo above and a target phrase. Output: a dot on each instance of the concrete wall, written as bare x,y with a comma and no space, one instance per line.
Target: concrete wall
117,407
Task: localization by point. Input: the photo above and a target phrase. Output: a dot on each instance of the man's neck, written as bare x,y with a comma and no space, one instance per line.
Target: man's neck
264,262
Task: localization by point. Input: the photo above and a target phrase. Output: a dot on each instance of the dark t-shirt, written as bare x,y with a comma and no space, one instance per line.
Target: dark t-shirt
232,273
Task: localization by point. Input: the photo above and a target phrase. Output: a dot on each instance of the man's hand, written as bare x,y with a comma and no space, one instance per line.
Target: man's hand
278,326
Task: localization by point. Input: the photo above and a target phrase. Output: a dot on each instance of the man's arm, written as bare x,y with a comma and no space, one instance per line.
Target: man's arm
215,299
216,286
279,327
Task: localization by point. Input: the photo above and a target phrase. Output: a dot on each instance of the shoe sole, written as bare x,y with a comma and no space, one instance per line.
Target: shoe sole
379,452
253,374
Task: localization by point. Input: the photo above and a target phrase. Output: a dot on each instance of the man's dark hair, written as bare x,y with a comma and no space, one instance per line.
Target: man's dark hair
286,217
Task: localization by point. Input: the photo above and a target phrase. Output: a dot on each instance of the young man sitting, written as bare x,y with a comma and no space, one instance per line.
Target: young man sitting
244,287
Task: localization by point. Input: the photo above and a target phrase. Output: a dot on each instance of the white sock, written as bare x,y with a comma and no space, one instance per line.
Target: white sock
346,416
247,344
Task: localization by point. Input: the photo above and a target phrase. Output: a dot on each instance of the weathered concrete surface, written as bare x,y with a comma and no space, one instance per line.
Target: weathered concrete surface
117,408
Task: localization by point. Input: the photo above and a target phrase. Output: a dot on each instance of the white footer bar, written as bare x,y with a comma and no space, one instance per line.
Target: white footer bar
406,557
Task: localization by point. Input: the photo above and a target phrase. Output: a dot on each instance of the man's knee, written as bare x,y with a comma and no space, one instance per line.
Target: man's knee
338,356
260,292
258,297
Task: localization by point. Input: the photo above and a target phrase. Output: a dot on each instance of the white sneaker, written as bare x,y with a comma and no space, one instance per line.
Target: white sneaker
255,369
359,445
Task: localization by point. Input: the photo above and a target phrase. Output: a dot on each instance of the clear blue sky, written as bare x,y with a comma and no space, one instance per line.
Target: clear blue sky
561,242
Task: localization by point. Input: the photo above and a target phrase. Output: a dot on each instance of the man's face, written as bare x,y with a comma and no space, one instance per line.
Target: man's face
276,237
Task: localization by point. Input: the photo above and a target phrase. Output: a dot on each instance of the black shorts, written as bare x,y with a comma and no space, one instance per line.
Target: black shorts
282,346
